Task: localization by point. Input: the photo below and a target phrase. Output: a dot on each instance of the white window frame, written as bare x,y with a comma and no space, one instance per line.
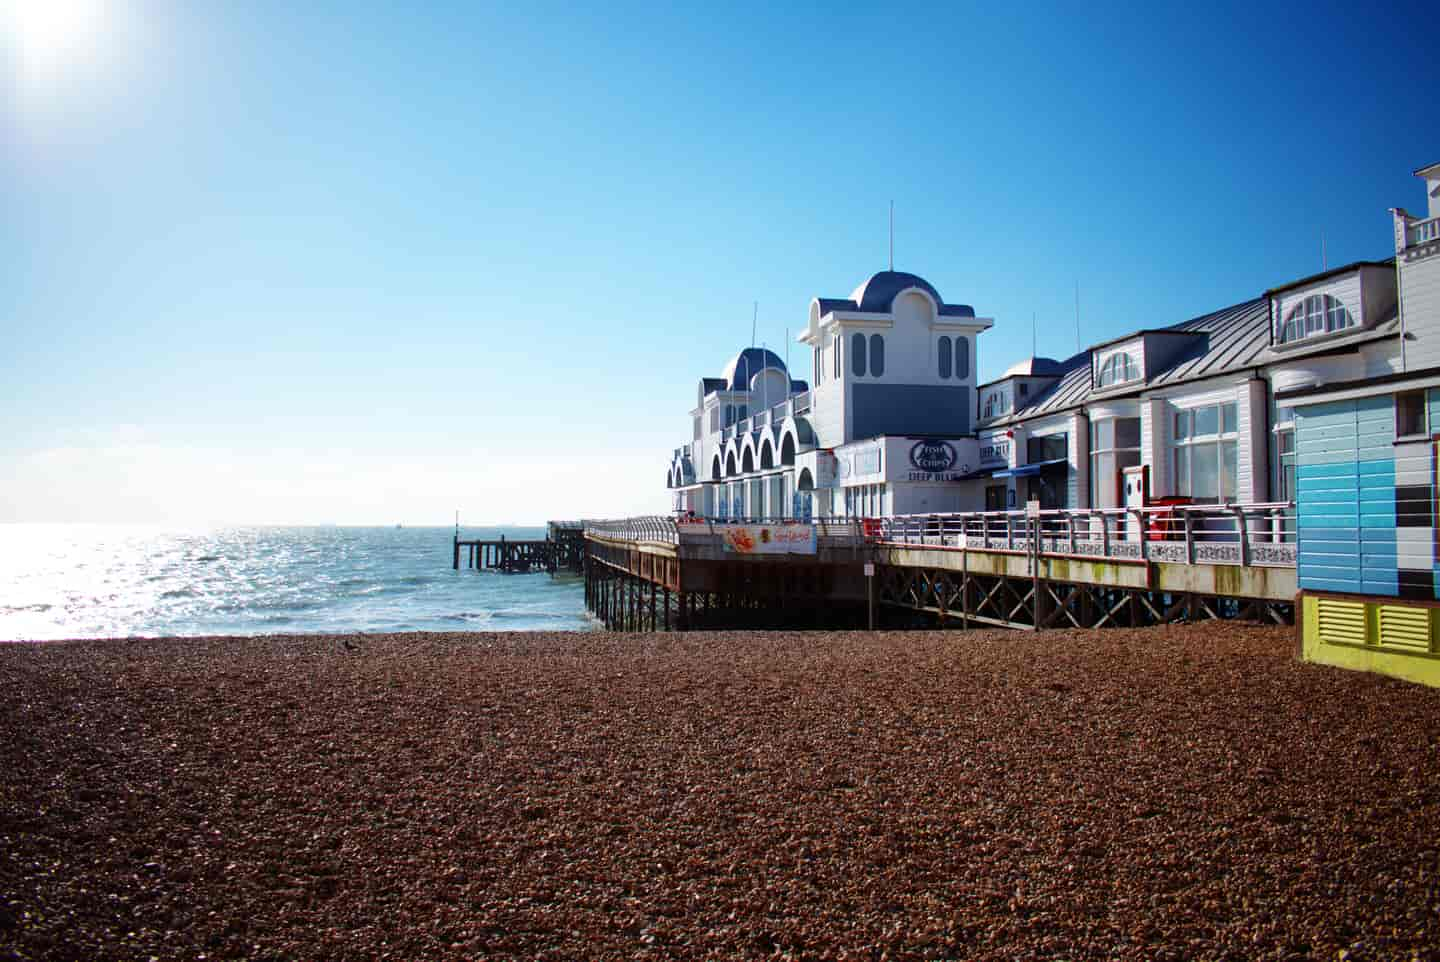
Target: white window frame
1313,316
1221,440
1118,368
1424,433
1097,453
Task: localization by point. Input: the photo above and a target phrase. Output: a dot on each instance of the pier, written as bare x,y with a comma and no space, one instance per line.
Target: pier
563,549
1012,569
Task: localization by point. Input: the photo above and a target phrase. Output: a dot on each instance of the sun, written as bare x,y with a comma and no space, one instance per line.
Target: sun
51,33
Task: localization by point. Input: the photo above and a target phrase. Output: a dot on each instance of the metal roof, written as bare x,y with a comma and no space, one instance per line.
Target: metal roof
1235,339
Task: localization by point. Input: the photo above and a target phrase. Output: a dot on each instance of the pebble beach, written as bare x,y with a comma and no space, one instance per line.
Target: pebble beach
1178,793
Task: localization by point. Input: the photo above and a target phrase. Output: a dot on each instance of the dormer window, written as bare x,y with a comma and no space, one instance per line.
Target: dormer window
1118,369
1316,314
996,404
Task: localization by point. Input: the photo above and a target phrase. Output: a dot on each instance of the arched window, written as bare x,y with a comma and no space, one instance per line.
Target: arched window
962,357
1317,314
943,352
857,355
715,469
787,450
877,355
1118,369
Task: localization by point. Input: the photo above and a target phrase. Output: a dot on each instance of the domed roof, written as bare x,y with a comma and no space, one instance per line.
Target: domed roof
1033,367
747,364
876,294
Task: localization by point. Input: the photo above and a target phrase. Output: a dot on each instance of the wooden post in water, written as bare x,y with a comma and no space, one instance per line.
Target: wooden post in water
457,552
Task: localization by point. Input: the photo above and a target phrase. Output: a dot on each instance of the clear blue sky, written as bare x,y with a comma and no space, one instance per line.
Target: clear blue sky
357,262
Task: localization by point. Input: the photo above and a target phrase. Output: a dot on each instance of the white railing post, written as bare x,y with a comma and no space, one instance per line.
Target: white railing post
1244,534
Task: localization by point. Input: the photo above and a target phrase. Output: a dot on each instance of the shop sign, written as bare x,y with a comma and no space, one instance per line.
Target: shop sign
935,461
995,451
752,539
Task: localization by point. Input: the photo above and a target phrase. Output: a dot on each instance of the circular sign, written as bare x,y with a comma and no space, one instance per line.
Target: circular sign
932,456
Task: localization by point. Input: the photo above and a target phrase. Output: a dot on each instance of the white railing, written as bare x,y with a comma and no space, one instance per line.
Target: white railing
659,529
800,403
1422,231
1238,534
652,528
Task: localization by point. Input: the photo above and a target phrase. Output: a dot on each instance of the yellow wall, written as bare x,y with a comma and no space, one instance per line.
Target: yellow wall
1385,636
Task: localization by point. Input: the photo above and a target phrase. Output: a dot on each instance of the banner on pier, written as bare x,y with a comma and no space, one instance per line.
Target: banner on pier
768,538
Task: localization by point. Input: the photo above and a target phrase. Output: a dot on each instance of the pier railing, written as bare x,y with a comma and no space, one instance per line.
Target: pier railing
1233,534
660,529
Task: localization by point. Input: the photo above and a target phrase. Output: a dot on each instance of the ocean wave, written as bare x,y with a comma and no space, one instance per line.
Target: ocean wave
469,616
8,609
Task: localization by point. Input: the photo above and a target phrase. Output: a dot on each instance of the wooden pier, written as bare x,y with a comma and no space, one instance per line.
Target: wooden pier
563,550
1058,569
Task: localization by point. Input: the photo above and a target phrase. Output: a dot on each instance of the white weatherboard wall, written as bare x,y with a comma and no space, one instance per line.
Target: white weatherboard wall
1155,445
1420,299
1254,440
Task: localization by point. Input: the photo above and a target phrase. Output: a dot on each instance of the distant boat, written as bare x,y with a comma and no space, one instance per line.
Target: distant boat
399,526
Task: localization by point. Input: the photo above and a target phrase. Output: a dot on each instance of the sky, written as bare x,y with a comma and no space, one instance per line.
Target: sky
367,263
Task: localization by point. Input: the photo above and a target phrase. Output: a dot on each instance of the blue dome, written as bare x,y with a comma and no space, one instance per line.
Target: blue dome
876,295
747,364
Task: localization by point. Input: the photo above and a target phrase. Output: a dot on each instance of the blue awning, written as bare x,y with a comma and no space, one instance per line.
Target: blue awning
1030,470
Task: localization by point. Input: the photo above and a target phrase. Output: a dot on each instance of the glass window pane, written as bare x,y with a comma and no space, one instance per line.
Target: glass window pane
1207,421
1127,432
962,357
1286,441
1229,418
1410,413
1205,471
943,352
1182,425
1104,434
1109,482
1182,470
877,355
857,355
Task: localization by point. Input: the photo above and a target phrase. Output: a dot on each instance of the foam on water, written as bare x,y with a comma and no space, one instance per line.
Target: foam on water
95,581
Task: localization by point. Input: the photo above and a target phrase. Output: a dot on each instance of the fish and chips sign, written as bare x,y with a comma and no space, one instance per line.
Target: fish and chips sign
934,461
767,538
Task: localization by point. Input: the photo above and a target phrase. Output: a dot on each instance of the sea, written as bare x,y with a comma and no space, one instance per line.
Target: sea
113,581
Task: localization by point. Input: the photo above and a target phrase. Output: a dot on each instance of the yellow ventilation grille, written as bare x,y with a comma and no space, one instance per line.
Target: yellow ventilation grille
1340,622
1404,627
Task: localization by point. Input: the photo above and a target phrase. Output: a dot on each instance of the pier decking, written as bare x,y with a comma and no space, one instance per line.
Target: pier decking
1056,568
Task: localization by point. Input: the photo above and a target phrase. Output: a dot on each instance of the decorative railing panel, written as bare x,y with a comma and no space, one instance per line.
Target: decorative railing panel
1234,534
